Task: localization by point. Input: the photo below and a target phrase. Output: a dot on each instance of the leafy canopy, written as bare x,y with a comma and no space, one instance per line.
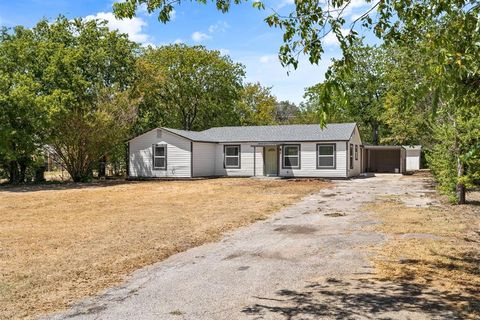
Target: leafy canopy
185,87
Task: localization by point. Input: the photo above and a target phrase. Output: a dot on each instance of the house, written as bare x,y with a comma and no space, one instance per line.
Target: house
284,150
335,151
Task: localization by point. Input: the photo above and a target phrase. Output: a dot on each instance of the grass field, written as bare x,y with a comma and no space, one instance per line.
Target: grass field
435,247
63,242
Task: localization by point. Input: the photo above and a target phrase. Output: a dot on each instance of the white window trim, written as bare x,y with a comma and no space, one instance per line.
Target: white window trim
237,156
333,155
284,156
164,146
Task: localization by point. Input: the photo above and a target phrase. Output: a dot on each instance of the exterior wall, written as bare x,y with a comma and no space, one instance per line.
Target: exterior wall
246,161
204,159
259,161
413,160
178,155
357,164
308,162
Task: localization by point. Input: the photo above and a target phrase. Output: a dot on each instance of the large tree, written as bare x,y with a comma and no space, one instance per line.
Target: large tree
285,111
68,85
256,105
355,92
188,87
23,113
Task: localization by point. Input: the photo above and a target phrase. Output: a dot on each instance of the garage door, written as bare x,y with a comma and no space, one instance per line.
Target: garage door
384,160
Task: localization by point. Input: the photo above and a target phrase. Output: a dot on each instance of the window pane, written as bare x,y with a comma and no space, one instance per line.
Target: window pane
325,150
291,151
231,151
159,151
325,161
291,162
231,161
159,162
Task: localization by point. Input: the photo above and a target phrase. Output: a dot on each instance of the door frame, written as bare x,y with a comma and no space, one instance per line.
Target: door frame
265,160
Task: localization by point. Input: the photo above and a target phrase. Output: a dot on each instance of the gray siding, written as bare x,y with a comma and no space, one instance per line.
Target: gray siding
204,159
178,155
357,165
308,162
246,161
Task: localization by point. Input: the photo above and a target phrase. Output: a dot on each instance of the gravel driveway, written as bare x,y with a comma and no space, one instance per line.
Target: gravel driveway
308,261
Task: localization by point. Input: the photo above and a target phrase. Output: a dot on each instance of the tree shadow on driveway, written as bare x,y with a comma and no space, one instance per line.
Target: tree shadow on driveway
362,298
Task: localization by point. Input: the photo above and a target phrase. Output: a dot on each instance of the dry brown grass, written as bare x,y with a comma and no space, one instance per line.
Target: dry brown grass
438,247
63,242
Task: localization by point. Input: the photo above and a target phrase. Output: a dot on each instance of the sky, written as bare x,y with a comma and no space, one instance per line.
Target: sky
241,33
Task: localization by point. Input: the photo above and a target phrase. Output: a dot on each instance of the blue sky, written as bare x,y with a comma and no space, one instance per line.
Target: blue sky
240,33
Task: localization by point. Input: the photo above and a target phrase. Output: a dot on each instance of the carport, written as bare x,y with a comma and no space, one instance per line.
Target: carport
386,159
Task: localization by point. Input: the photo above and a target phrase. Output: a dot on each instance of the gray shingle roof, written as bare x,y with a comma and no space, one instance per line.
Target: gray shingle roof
280,133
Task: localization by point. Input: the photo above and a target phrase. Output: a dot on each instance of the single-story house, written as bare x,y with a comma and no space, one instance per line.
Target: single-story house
335,151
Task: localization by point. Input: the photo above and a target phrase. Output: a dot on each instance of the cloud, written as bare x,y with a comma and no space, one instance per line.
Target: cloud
133,27
178,41
268,58
268,70
173,15
355,9
220,26
198,36
331,38
285,3
224,52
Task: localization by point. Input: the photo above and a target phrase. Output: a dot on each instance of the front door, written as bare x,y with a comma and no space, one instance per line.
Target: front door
270,161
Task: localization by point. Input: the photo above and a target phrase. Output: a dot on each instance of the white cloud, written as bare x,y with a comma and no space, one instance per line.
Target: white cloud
173,15
224,52
220,26
268,58
133,27
178,41
331,38
285,3
269,72
355,9
198,36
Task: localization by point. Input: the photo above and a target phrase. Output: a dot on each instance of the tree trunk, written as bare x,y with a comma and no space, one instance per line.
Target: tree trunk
375,133
102,164
13,174
23,171
460,188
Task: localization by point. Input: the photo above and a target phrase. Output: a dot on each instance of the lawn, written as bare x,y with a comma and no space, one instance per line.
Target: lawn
62,242
434,248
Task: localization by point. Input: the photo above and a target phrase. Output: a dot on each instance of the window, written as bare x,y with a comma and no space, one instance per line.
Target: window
232,156
291,156
160,156
356,152
351,156
326,156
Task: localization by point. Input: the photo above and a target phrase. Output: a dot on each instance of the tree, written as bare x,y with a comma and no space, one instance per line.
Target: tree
190,88
285,111
355,93
84,73
256,106
23,113
305,28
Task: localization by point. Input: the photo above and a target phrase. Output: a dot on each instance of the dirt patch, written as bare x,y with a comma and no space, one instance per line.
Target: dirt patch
295,229
335,214
64,242
436,247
